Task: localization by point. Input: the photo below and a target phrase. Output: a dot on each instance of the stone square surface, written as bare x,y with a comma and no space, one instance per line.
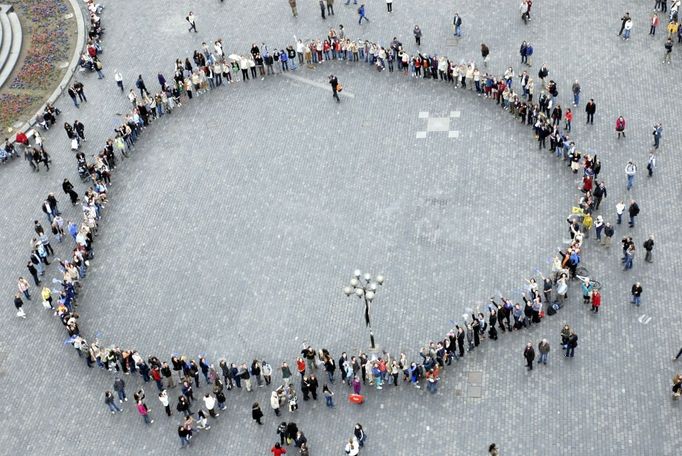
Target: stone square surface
239,218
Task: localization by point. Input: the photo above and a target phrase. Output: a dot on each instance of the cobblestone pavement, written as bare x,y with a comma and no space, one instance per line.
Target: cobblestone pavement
234,227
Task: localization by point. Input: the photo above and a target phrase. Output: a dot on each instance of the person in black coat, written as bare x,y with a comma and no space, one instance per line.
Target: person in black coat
313,385
256,413
529,354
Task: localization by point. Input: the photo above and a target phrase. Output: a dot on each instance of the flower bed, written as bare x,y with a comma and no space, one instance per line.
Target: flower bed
48,42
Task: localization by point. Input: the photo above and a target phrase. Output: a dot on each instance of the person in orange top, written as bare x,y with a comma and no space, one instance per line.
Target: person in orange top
277,450
568,117
300,365
654,23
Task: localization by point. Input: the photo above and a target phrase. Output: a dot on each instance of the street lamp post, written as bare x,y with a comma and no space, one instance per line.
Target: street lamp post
364,287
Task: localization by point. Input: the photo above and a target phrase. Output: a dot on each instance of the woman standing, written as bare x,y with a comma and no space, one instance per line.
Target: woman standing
256,413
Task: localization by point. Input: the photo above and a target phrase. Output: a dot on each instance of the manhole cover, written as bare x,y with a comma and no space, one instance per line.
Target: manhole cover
474,391
475,378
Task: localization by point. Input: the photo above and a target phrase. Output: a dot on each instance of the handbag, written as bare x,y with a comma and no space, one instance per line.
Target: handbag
339,87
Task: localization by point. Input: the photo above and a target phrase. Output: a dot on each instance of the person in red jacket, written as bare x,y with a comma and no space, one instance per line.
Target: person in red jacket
596,301
620,126
277,450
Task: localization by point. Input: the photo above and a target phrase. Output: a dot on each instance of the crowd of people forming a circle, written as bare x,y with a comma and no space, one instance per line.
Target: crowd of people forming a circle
208,69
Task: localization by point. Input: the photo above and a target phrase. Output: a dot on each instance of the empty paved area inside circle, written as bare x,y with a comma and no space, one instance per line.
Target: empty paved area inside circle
240,217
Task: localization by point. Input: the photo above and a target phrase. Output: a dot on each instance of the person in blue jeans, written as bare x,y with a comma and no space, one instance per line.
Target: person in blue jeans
328,396
636,292
119,387
543,348
361,13
111,403
572,343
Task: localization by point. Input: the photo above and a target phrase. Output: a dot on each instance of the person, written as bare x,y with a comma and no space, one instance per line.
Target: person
72,93
277,450
596,301
630,172
608,235
572,344
328,395
144,412
256,413
202,421
352,448
657,134
668,51
111,403
492,450
163,398
633,211
529,354
119,387
654,23
649,247
576,93
334,82
627,29
359,434
118,77
485,53
417,32
389,5
543,348
330,7
274,402
192,22
292,5
679,353
183,434
210,402
282,432
590,109
636,292
620,126
677,386
323,9
362,14
457,24
623,21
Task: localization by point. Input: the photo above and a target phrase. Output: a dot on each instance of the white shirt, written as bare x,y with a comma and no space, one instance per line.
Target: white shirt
209,402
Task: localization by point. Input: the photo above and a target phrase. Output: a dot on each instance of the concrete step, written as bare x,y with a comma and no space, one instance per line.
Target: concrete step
16,41
6,35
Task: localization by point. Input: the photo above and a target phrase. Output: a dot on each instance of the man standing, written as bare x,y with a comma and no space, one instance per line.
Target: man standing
576,93
599,193
630,171
118,77
668,50
119,387
323,9
529,354
543,348
192,22
485,53
292,4
636,292
590,109
111,403
623,21
608,235
335,87
651,164
457,24
649,247
330,7
657,133
633,211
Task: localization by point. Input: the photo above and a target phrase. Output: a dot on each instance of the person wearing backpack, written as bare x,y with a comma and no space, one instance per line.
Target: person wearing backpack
361,13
